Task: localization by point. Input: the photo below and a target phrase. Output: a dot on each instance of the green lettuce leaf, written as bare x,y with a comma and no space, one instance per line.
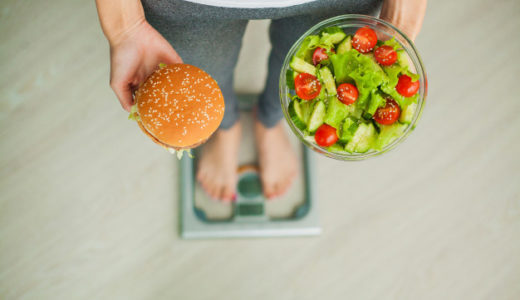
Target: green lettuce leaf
400,99
414,76
392,43
306,49
344,64
376,101
336,112
353,66
133,114
393,72
180,153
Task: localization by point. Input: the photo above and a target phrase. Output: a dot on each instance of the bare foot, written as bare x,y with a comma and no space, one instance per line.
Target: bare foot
278,164
217,167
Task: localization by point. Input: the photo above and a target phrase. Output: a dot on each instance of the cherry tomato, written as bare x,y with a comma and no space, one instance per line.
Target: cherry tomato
385,55
388,114
326,135
406,87
319,55
307,86
347,93
364,40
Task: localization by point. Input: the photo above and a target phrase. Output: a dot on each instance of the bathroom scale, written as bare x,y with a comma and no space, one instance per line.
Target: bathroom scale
251,214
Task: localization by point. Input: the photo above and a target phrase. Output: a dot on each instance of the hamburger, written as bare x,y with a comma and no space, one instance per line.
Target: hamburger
179,107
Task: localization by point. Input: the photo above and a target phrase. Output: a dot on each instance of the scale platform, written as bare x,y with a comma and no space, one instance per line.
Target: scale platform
251,215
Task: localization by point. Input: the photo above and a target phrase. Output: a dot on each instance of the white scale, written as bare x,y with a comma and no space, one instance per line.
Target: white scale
251,215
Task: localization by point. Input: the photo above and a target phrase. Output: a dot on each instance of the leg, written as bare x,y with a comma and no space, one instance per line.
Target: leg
278,164
277,159
212,45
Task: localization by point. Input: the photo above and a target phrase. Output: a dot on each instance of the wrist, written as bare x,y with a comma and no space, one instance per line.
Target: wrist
117,36
119,18
405,15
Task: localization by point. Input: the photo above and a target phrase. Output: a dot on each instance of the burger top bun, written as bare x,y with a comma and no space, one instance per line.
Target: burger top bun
179,106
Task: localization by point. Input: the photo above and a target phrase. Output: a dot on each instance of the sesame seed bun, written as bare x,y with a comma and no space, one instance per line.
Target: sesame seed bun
179,106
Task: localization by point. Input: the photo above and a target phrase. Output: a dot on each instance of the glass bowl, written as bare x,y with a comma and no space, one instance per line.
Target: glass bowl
349,24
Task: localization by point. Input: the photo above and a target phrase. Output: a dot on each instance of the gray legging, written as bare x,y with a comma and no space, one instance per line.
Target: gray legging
210,38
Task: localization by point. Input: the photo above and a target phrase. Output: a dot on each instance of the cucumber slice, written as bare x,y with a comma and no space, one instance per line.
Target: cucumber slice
322,95
389,133
348,129
296,114
317,116
408,113
331,39
363,139
336,148
306,108
354,111
345,45
328,81
289,78
300,65
331,35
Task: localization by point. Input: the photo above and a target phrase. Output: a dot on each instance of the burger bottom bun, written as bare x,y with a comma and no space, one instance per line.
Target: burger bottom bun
166,145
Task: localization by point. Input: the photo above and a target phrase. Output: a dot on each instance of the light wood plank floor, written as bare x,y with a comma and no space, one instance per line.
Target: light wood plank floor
88,205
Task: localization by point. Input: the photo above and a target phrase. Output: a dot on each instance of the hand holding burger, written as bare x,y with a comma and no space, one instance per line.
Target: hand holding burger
136,48
179,106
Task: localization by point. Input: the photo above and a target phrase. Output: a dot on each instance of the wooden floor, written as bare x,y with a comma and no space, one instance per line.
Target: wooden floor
89,206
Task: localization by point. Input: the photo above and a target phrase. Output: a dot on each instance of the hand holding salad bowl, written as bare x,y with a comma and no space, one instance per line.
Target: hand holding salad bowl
352,87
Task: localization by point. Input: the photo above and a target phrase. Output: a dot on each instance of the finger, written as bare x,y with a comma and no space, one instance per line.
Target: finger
170,56
124,94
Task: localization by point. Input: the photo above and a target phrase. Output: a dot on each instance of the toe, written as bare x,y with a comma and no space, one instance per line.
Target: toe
218,193
213,192
204,187
269,190
200,176
227,193
280,189
285,186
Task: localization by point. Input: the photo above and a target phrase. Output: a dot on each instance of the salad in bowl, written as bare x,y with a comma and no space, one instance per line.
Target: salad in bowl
352,87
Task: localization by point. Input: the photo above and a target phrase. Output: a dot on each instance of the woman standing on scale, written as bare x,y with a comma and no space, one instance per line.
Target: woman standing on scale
208,34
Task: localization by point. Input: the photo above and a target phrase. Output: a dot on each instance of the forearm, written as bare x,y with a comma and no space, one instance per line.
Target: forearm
407,15
118,17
